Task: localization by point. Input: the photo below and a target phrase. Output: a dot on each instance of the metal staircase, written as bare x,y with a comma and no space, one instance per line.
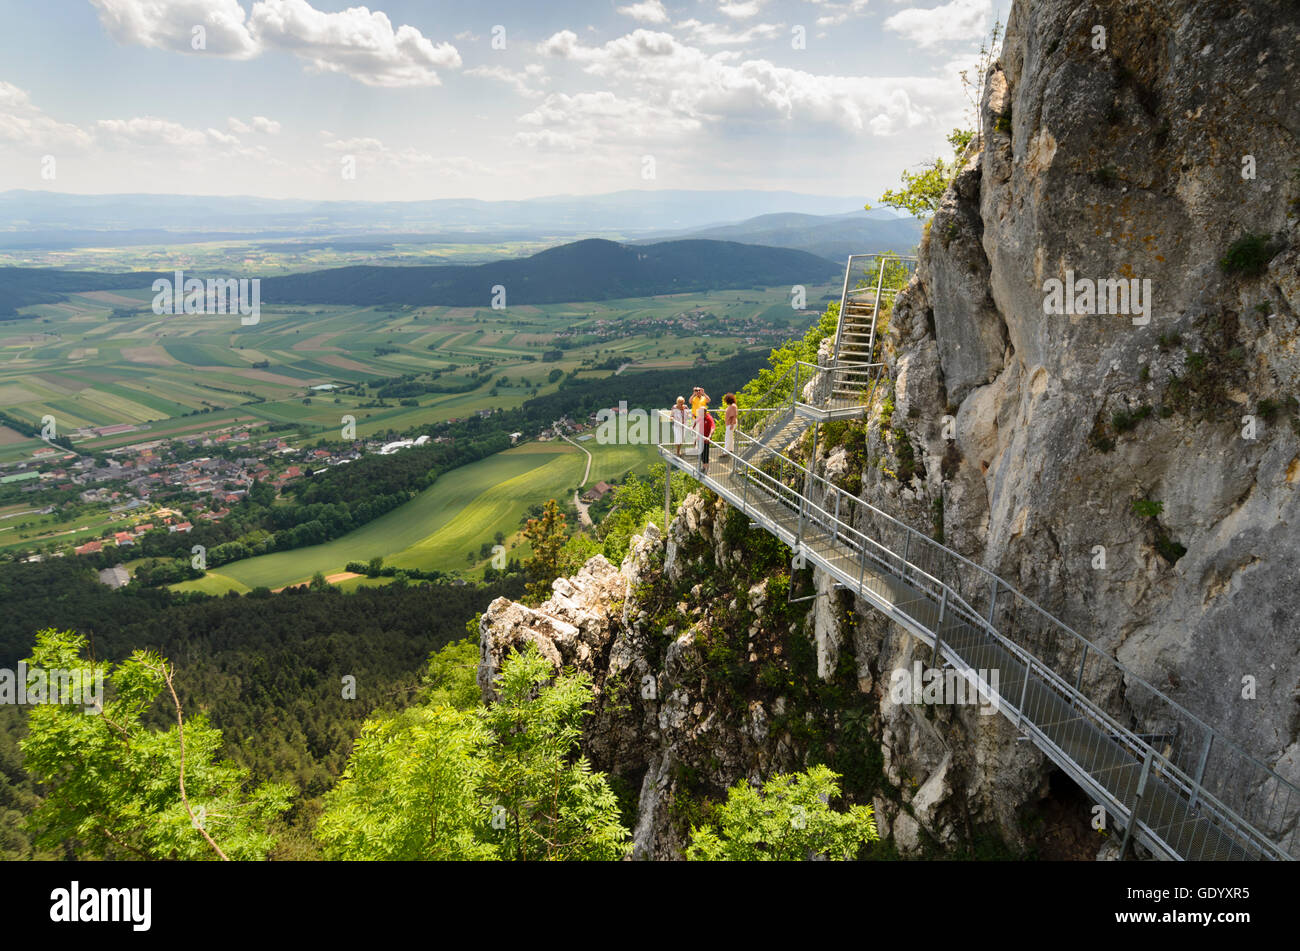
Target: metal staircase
1164,776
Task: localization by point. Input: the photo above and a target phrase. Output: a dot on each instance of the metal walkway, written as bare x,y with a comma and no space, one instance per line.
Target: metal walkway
1162,774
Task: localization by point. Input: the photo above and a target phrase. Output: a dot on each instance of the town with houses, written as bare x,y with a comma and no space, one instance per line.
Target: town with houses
171,484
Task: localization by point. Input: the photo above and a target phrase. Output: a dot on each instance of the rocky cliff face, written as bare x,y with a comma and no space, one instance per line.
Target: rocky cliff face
1105,154
1145,152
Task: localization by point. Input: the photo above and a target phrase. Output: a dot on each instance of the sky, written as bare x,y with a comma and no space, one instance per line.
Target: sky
478,99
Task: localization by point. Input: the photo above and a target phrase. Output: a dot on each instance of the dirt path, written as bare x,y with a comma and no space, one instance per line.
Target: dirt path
584,518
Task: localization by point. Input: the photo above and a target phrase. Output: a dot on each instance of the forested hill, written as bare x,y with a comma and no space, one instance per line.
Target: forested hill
588,270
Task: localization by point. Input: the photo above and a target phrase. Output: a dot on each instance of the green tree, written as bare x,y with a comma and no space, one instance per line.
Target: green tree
922,191
552,805
499,782
449,676
548,535
122,790
409,790
786,818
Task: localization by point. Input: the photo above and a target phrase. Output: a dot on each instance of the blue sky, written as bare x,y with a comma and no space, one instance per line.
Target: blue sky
284,96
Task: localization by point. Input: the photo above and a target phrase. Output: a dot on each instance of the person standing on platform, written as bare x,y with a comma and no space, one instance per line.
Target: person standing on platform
681,423
697,396
700,407
706,435
730,419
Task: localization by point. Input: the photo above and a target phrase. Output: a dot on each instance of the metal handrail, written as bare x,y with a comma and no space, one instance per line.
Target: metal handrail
957,604
1086,644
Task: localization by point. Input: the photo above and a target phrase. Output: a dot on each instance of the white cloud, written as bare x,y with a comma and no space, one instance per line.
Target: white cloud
372,153
153,133
523,81
714,34
739,9
170,25
958,20
648,11
580,122
839,12
716,88
26,126
562,44
355,42
259,124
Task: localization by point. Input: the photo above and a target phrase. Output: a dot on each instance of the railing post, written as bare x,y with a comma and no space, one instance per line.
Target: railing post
1200,769
862,564
993,598
1024,692
835,534
907,547
668,495
938,630
1137,802
1078,681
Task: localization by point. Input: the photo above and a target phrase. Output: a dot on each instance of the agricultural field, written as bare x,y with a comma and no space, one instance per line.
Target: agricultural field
439,528
185,375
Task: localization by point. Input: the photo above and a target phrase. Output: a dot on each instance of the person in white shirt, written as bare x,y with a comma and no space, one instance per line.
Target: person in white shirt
681,423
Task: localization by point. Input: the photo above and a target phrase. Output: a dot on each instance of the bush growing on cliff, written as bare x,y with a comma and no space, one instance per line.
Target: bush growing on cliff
787,818
1248,255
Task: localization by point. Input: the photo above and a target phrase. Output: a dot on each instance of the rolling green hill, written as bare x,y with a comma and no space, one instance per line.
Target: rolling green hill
582,271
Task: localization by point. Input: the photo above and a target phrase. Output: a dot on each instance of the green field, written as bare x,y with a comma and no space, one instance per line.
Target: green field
188,375
436,530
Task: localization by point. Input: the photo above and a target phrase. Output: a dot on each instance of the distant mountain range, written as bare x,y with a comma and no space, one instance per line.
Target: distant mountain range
25,215
829,236
592,269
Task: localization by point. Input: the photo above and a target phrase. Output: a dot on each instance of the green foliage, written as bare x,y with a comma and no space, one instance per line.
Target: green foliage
555,806
1212,371
786,818
637,502
1248,255
1146,508
1267,409
449,676
1126,420
502,782
906,455
409,791
124,790
548,535
922,191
